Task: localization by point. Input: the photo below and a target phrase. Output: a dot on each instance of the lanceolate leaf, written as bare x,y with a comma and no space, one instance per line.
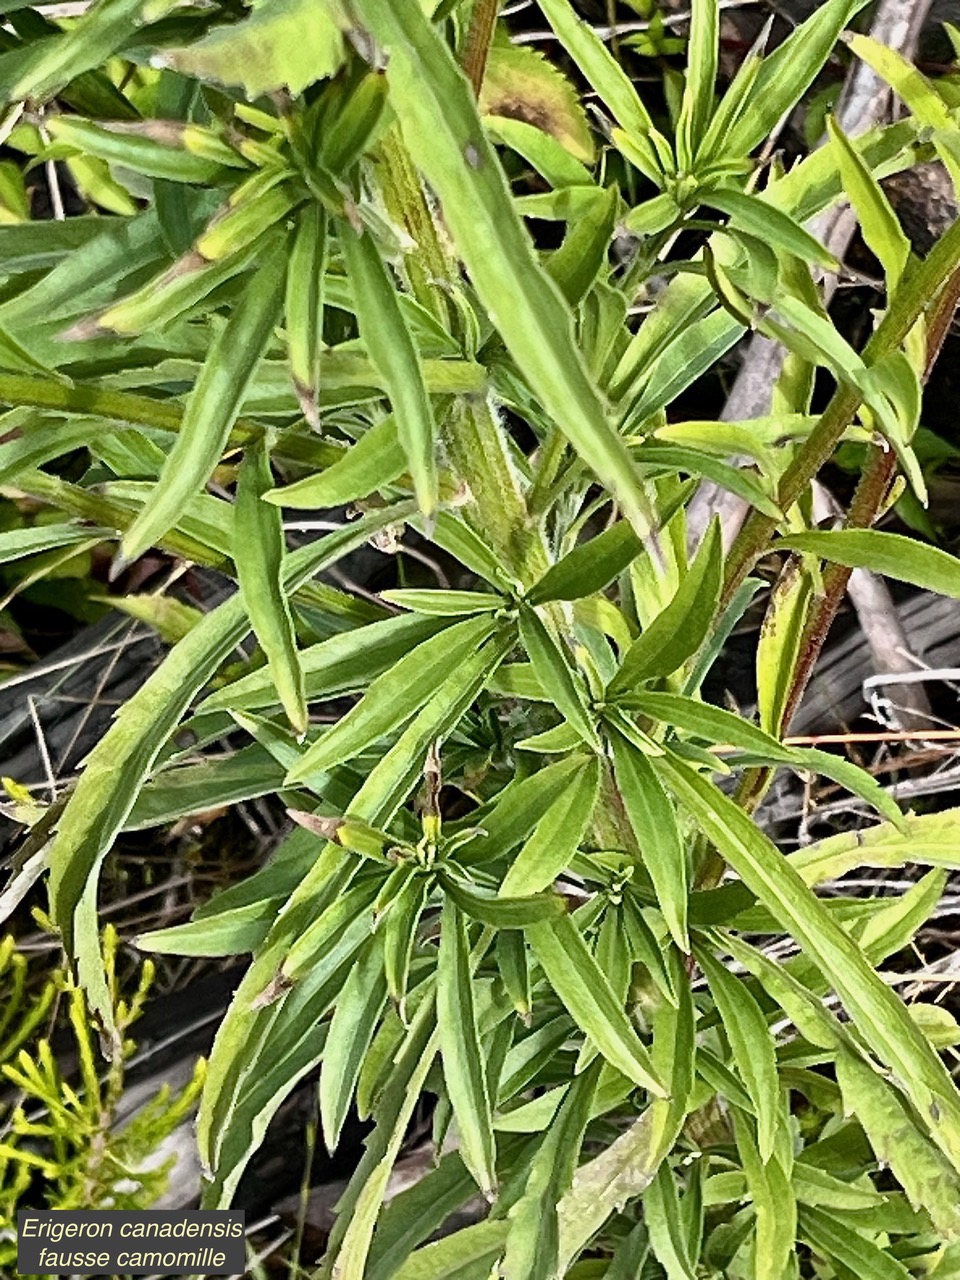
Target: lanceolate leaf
122,759
303,305
588,568
787,72
463,1068
549,849
697,103
19,543
354,1021
533,1241
344,662
878,1013
258,553
392,350
888,553
769,224
556,675
501,911
576,977
375,460
752,1044
395,696
680,629
213,406
445,136
654,822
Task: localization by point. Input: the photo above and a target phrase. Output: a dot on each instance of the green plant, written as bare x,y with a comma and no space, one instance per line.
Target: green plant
61,1136
329,281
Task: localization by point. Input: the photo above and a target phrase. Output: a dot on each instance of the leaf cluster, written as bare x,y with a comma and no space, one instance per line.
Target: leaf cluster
516,881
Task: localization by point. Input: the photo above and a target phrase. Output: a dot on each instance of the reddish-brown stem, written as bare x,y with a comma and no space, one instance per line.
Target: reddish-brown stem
479,38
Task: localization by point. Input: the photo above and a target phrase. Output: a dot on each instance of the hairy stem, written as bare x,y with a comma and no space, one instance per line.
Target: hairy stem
476,48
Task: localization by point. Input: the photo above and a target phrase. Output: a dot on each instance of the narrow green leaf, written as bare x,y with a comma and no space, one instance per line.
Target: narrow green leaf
696,105
589,567
890,554
930,839
373,462
502,911
303,306
511,951
582,257
654,822
560,740
416,1214
400,934
661,1213
711,723
919,94
772,226
787,73
212,407
15,544
754,1052
389,782
361,1204
691,351
183,287
585,992
677,633
517,809
662,458
607,77
258,552
557,676
337,933
130,144
445,604
854,779
862,1257
879,1015
344,662
445,136
533,1240
391,347
230,933
549,850
395,696
217,780
774,1203
354,1021
879,224
541,150
463,1070
48,64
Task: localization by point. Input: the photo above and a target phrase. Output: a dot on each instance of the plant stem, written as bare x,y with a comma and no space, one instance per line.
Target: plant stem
483,22
919,294
478,450
404,198
867,503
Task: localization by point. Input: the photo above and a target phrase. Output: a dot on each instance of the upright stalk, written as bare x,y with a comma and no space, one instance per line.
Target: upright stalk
919,295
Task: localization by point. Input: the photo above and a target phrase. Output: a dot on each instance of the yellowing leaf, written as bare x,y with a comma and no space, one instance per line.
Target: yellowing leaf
520,84
284,44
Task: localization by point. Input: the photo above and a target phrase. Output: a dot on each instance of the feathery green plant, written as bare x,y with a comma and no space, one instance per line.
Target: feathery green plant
59,1148
516,883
